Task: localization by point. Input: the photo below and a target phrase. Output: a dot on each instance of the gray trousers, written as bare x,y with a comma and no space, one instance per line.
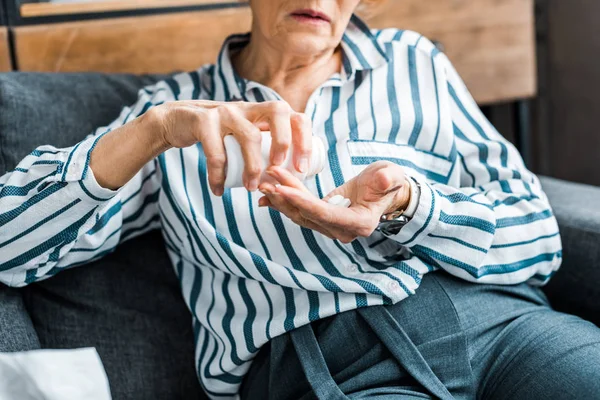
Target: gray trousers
451,340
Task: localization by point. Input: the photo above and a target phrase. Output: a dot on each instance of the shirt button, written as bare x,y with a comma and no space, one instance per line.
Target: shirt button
352,268
393,286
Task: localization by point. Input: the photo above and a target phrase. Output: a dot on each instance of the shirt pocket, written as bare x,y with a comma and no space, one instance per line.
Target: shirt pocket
417,163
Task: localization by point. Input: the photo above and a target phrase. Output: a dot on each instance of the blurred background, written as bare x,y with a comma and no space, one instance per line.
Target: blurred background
532,65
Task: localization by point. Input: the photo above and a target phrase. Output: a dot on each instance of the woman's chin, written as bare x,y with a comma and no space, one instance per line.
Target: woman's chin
306,44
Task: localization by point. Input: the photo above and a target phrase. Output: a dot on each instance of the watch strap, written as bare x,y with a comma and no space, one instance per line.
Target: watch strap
415,196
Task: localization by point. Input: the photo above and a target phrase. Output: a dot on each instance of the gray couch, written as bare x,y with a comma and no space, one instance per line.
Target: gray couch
128,304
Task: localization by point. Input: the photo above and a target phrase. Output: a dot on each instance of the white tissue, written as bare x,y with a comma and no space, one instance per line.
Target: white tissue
53,375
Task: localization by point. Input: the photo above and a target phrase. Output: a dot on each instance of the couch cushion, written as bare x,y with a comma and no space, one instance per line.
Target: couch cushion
58,109
574,288
17,333
128,305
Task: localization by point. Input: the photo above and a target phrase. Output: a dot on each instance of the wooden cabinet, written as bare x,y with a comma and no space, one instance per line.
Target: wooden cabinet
491,42
5,64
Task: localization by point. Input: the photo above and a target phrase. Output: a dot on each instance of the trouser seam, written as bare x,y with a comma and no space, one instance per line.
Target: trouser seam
462,329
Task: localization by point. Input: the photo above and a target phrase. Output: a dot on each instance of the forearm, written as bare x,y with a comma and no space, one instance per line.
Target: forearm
57,212
50,206
120,154
46,204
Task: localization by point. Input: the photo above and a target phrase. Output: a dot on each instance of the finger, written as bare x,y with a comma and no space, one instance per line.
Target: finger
344,190
285,177
262,125
323,213
267,188
264,202
214,150
249,138
276,201
281,130
302,141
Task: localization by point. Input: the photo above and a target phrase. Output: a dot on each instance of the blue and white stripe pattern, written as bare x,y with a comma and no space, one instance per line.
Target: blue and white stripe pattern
249,274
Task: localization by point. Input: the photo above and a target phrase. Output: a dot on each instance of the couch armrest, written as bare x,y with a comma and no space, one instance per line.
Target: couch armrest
576,286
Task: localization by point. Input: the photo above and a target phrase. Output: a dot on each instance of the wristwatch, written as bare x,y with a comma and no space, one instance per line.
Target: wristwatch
391,224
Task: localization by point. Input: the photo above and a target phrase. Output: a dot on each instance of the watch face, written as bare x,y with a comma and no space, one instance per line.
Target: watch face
392,227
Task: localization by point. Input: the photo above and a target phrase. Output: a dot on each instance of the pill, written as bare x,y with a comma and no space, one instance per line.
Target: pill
335,200
339,200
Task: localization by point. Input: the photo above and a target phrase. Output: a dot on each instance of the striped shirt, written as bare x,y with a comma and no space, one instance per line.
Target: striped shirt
249,274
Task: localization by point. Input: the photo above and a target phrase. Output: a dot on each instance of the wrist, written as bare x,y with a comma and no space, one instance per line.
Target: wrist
401,198
121,153
152,132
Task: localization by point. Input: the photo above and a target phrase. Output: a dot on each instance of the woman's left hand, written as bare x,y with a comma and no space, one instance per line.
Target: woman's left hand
379,189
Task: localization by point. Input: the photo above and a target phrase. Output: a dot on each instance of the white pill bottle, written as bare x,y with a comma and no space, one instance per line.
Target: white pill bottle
235,160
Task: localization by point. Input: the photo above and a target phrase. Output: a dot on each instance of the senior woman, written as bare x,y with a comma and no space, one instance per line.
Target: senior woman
293,297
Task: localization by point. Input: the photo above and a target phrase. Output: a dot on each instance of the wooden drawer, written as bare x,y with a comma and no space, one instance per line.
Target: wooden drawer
491,42
5,64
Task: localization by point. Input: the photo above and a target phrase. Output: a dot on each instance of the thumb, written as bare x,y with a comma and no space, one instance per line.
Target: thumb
386,178
343,190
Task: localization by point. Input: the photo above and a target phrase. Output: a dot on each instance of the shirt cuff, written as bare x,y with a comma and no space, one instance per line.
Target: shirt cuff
425,218
77,170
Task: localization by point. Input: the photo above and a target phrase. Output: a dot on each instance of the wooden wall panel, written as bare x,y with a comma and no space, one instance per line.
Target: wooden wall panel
491,42
150,44
5,64
45,9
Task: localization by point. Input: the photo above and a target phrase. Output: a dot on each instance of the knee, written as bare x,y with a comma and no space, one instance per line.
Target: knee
561,363
575,375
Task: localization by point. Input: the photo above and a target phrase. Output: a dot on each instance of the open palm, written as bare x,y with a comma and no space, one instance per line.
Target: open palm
378,189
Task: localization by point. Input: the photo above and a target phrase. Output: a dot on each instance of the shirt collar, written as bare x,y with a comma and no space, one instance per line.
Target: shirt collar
361,51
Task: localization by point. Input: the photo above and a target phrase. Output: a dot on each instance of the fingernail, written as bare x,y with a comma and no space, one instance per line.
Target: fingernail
303,164
218,191
253,185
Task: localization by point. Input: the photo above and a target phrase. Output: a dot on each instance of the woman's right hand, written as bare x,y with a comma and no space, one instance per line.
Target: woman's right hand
121,153
184,123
